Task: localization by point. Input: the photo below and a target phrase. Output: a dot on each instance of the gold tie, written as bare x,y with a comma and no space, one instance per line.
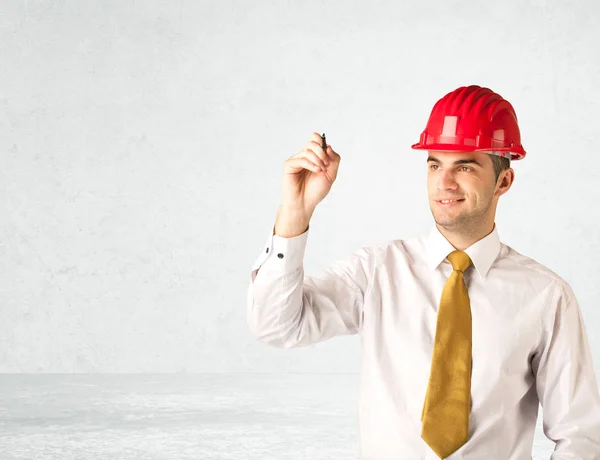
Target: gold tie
446,409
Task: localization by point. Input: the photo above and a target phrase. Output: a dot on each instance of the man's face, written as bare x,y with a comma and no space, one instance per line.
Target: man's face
468,177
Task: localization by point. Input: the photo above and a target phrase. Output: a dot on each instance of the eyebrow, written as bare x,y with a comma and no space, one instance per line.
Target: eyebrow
457,162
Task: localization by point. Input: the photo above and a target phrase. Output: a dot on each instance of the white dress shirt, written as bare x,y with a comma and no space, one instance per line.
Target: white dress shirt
529,341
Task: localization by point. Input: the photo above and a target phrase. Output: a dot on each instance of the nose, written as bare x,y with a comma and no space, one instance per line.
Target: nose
446,180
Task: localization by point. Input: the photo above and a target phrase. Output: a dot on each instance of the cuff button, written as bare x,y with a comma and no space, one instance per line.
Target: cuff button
280,255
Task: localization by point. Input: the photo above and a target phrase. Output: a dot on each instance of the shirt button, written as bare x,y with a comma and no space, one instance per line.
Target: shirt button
280,255
267,249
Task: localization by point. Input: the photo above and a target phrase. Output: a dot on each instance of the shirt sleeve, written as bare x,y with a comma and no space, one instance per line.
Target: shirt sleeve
566,383
287,309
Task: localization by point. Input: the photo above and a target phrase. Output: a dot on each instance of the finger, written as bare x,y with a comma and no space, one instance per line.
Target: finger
303,163
318,150
328,152
332,153
310,154
316,137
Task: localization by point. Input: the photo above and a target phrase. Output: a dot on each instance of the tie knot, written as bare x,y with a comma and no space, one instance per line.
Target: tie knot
460,260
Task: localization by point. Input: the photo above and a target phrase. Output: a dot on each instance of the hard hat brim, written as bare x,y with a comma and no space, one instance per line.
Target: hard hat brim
513,153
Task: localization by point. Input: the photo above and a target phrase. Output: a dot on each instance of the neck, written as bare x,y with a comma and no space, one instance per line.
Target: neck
462,239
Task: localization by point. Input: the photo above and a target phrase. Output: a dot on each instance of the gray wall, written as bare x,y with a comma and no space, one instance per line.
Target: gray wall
142,145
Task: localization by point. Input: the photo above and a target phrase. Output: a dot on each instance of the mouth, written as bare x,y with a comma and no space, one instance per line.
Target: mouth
448,202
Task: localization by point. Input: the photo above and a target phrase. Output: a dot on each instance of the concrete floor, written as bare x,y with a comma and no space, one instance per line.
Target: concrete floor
180,417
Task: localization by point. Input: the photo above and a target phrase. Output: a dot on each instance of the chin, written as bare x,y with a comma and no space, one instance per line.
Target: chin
444,222
444,219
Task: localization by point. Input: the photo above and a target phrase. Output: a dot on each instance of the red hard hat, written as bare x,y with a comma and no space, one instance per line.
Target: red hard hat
473,119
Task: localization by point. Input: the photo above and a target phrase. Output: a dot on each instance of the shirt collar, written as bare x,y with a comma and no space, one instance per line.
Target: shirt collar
483,253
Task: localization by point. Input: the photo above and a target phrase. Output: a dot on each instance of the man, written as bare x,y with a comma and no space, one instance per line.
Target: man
462,336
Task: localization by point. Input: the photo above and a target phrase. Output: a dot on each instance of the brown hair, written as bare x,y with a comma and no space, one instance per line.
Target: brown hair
500,164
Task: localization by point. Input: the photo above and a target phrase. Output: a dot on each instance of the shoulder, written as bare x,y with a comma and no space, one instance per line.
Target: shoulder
533,272
410,249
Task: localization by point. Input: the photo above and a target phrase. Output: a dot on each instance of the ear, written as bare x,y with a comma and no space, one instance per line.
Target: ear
505,181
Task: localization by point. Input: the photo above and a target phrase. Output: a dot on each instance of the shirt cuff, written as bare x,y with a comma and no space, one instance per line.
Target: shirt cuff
281,254
287,254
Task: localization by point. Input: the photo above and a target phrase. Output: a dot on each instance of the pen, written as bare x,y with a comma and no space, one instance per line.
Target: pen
324,147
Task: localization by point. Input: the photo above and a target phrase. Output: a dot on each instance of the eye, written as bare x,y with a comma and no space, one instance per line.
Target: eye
462,168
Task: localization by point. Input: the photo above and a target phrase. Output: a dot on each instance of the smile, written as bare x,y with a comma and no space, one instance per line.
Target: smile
448,202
